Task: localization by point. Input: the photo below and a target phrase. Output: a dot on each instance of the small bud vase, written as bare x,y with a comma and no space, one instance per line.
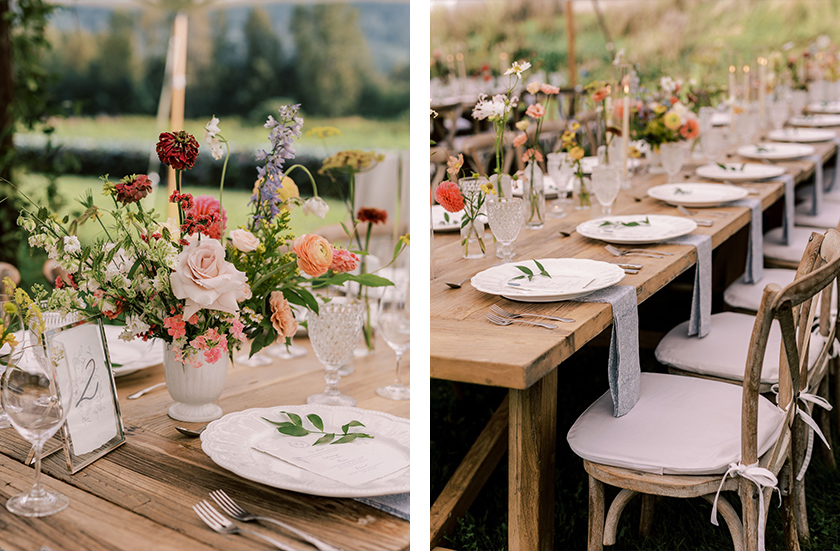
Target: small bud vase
581,197
194,389
533,196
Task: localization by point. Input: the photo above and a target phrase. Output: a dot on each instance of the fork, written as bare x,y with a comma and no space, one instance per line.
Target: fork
236,511
220,524
505,314
498,320
641,252
698,221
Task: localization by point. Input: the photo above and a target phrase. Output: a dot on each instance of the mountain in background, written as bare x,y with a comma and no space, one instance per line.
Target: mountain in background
385,26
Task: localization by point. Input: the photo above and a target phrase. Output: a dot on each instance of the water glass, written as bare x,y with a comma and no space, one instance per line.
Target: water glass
713,142
395,328
37,394
778,111
605,184
506,217
561,172
334,332
673,157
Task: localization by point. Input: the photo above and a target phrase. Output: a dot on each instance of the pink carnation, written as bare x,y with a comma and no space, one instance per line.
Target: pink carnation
207,205
549,89
449,196
344,261
535,111
520,140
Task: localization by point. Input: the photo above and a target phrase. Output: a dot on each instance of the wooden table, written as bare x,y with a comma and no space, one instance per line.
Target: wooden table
466,348
140,495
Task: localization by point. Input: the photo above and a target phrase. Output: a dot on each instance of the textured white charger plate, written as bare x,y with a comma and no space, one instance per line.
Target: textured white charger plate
227,441
661,228
692,194
576,277
815,120
802,135
740,171
830,107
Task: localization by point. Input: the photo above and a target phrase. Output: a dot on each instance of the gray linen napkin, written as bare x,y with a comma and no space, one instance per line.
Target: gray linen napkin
755,252
790,208
623,369
700,321
816,203
398,505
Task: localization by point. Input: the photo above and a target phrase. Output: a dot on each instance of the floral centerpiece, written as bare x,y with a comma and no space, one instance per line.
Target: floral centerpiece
535,197
184,281
664,117
599,92
497,110
468,197
570,141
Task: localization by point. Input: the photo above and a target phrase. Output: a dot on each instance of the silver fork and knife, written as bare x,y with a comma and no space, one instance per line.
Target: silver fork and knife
640,252
496,309
693,214
219,523
499,320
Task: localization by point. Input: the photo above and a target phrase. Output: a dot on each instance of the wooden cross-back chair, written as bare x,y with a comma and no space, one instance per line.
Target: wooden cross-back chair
480,152
685,433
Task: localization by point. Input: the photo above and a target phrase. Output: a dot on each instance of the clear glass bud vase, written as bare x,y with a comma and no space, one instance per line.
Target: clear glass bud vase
533,196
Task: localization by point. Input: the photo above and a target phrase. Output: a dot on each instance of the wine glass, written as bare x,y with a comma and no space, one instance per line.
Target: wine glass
395,328
506,217
779,111
713,142
560,172
37,394
673,157
334,332
605,184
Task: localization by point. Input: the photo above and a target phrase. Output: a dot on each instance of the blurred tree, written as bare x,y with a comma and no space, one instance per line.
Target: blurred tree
113,70
333,60
262,72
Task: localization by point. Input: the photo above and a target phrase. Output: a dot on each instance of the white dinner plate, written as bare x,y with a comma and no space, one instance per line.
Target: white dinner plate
829,107
228,442
548,183
692,194
131,356
742,172
570,278
720,119
775,151
815,120
802,135
636,229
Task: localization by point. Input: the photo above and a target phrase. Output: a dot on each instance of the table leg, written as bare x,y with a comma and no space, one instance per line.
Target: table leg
531,452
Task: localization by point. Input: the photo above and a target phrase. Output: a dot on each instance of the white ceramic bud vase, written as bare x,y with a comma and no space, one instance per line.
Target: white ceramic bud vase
194,389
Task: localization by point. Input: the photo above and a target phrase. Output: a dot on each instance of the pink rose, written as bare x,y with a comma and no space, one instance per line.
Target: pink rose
535,111
205,280
314,254
344,261
282,318
244,240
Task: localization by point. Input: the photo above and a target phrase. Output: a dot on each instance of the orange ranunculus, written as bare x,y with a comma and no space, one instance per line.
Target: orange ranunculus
691,129
449,196
314,254
282,318
520,140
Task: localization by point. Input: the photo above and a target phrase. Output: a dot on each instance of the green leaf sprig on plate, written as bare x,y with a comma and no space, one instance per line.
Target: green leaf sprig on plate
733,168
294,427
632,224
529,273
761,149
680,191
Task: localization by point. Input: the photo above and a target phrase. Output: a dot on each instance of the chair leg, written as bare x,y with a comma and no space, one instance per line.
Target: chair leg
824,422
614,514
596,515
788,510
730,516
646,519
749,514
799,443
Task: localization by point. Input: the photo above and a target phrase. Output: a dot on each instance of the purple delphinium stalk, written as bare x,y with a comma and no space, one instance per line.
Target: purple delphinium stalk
284,131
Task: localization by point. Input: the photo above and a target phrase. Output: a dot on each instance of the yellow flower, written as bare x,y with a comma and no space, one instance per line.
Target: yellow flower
406,239
658,108
488,189
322,132
634,152
672,121
523,124
288,190
567,137
353,160
574,127
576,153
10,308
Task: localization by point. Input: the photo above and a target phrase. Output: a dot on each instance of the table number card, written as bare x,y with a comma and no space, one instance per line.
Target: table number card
94,425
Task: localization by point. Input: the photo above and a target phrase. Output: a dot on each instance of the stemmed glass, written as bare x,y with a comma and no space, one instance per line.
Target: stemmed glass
673,157
334,332
779,111
561,173
37,395
395,328
605,184
506,217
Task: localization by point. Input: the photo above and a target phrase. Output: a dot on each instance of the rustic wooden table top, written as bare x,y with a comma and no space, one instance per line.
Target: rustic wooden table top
139,496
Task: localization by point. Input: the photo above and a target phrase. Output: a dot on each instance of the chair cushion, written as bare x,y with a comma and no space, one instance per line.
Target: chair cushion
680,425
773,247
723,352
748,296
827,217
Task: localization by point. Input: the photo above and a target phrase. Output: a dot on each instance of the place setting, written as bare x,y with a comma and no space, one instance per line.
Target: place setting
801,134
815,120
769,151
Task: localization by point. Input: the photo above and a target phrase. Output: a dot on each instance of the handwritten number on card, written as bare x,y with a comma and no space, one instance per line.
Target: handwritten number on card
85,396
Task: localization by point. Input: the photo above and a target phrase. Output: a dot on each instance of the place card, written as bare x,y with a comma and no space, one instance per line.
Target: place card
355,463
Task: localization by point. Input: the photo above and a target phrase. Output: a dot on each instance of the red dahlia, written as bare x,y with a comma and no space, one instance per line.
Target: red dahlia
177,149
133,188
372,215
